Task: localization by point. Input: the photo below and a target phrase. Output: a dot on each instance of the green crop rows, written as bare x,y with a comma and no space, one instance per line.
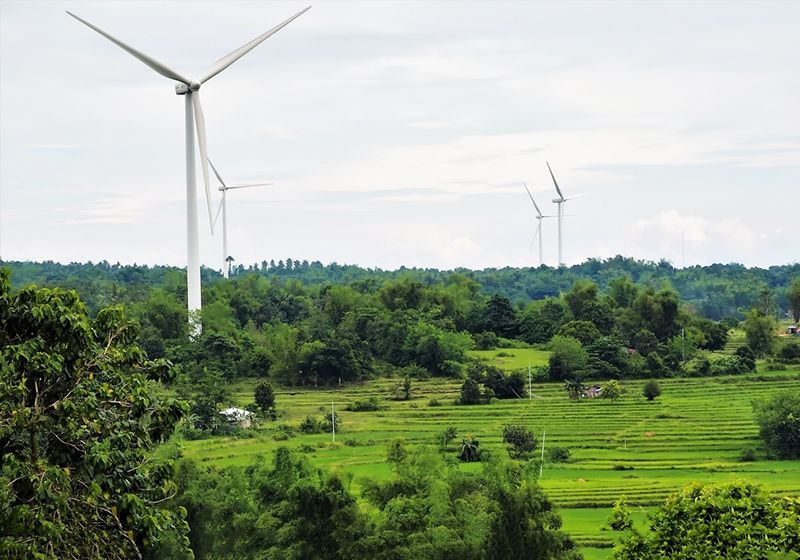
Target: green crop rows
641,450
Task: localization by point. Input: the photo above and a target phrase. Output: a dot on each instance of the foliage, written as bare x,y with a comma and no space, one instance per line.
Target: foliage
557,454
369,405
568,358
519,439
264,397
620,519
574,387
779,424
760,332
736,521
470,449
471,392
794,300
79,419
651,390
612,390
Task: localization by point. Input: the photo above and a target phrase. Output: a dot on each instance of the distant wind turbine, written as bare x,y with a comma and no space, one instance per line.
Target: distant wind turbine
191,89
560,201
539,218
226,258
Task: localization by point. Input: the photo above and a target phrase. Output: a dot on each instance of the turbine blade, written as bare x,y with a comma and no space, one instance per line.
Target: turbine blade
534,202
576,196
219,178
535,235
148,60
219,208
200,122
558,190
229,59
248,185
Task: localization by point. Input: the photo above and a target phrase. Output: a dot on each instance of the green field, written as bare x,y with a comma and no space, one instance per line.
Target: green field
641,450
511,358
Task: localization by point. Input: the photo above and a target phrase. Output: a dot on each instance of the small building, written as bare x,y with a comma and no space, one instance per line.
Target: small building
592,392
792,329
238,416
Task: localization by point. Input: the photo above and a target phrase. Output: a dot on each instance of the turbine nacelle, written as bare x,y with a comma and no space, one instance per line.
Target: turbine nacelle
183,89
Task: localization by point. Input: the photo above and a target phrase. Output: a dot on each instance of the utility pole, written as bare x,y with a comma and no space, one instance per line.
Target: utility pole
333,423
530,388
541,464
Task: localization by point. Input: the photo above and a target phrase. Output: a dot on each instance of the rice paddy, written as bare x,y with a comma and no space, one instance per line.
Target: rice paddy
695,432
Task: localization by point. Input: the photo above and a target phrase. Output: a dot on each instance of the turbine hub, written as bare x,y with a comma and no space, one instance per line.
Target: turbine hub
194,85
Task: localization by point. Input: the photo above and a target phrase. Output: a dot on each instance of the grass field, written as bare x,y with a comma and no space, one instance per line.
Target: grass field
511,358
641,450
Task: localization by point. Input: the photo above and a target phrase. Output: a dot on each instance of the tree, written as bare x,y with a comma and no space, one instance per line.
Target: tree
520,440
583,331
794,300
470,392
469,451
406,389
79,420
265,398
612,390
737,521
779,424
620,519
568,358
760,332
651,390
500,316
574,387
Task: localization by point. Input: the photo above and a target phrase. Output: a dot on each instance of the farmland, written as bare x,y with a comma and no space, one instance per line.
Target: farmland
696,431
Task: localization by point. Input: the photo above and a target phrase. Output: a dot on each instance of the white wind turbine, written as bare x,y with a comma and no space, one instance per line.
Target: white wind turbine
224,209
560,201
539,218
190,88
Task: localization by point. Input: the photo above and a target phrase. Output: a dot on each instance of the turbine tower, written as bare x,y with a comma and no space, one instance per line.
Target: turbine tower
224,208
190,88
539,218
560,201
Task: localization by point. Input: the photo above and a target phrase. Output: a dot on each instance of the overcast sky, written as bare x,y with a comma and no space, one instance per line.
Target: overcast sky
400,133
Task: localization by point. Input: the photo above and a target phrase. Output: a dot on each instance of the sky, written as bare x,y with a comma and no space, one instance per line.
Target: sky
400,133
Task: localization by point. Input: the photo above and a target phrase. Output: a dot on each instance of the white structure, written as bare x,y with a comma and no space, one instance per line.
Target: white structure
239,416
560,201
539,218
223,207
191,89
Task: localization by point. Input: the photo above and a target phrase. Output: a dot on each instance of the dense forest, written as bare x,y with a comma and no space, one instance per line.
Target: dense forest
715,291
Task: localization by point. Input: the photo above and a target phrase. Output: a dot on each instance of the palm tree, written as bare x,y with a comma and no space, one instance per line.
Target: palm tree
469,449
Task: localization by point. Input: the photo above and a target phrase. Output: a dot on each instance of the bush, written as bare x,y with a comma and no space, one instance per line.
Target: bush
748,357
790,352
651,390
747,455
434,402
265,398
728,365
485,340
558,454
779,424
370,405
312,425
470,392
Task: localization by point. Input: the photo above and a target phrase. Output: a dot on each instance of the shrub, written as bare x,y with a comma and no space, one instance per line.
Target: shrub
558,454
747,455
470,392
779,424
434,402
370,405
651,390
485,340
746,354
311,425
790,352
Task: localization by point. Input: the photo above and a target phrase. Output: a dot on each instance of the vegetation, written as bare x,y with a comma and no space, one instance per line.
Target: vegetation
79,419
734,521
779,424
651,390
520,440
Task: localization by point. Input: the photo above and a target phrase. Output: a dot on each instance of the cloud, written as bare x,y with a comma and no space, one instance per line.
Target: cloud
726,234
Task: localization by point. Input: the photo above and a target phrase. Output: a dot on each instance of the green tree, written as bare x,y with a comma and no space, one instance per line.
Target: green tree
583,331
500,316
612,390
470,392
779,424
520,440
759,331
651,390
470,449
574,387
794,300
568,358
737,521
264,397
620,519
79,419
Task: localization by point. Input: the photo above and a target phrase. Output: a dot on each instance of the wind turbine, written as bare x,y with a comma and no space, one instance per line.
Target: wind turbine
223,207
560,201
190,88
539,218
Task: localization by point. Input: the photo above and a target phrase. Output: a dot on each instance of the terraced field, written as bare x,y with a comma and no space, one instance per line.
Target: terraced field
641,450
